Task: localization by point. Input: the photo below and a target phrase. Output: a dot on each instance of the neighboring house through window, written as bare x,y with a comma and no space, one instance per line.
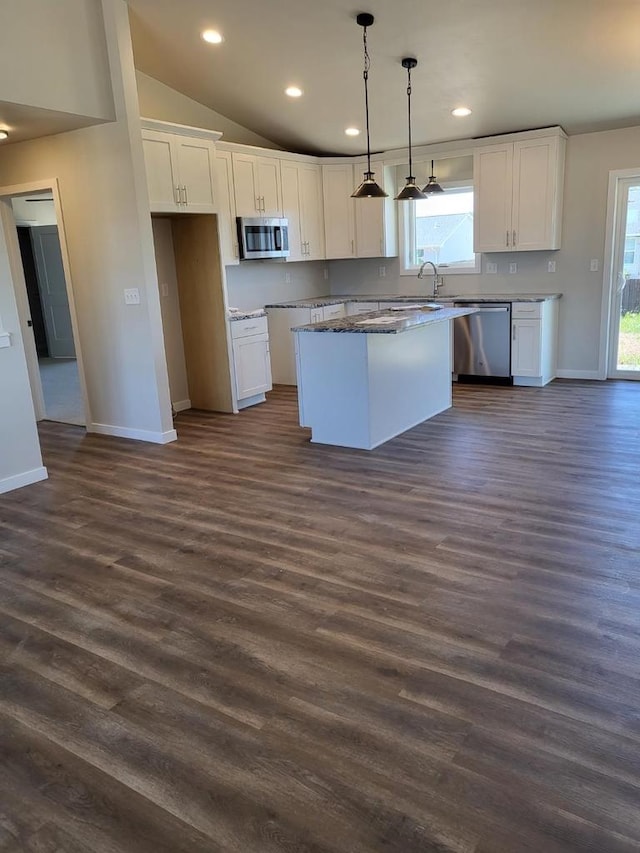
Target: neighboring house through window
440,229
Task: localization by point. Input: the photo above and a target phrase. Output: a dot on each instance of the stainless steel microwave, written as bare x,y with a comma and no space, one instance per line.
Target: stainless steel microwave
260,237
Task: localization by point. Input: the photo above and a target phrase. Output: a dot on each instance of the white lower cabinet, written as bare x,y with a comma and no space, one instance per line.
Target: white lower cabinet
251,359
534,335
361,307
281,321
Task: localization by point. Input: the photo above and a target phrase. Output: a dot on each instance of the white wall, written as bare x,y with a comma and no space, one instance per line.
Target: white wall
170,307
54,56
254,284
105,213
165,104
590,158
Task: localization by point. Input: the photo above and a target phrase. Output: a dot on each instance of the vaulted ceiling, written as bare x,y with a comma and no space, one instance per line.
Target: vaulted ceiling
518,64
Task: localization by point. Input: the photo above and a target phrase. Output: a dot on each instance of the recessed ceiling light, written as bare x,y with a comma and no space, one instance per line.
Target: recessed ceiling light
212,36
461,111
293,91
4,134
352,131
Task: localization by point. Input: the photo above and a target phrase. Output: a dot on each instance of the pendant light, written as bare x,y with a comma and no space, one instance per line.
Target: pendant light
410,191
368,188
433,186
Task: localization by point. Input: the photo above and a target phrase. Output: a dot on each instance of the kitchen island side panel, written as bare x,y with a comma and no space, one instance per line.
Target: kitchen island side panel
333,377
409,379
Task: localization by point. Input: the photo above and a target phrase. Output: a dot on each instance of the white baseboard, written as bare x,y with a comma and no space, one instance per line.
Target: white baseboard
135,434
181,405
578,374
24,479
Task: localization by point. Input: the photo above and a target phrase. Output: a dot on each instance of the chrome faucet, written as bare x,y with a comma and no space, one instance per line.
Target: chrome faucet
437,282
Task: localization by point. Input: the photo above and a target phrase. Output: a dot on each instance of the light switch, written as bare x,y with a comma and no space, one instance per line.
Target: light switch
551,266
382,272
513,267
491,268
594,265
132,296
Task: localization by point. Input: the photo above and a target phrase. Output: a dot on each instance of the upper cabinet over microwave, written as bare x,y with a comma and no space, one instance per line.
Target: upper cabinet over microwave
518,194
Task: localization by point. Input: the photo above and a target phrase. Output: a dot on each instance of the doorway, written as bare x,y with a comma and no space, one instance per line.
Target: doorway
624,312
43,298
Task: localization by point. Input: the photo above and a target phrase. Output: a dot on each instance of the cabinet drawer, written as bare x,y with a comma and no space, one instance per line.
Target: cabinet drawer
333,312
528,310
361,307
250,326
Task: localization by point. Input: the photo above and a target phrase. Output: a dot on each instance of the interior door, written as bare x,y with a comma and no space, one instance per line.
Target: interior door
53,291
624,333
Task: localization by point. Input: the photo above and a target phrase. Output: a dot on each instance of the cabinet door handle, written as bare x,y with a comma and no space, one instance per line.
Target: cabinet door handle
308,249
263,206
258,203
176,194
513,242
507,239
513,333
186,197
381,247
352,248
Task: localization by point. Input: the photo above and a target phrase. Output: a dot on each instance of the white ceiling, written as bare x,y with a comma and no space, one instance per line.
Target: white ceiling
518,64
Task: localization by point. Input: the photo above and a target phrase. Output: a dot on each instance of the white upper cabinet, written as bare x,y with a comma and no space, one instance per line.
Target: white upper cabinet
339,215
302,205
226,208
518,195
357,228
257,185
180,168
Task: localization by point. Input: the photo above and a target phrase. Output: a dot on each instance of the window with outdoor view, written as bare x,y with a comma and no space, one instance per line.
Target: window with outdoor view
440,229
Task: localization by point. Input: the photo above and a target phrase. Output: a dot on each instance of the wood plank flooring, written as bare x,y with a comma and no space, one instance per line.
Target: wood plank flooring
246,643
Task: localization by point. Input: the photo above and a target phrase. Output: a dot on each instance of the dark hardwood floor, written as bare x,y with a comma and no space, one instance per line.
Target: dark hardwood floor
245,643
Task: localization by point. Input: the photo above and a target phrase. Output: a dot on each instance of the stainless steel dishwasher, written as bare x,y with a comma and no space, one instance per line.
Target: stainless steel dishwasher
482,343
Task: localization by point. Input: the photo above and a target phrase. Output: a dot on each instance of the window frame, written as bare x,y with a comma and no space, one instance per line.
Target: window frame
406,237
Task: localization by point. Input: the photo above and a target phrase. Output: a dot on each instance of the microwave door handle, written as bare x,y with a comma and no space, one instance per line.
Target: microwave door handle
277,236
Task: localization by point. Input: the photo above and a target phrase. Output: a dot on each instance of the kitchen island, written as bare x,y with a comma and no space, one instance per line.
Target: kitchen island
367,378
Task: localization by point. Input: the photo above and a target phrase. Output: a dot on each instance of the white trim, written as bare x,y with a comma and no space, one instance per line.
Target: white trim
179,129
135,434
20,290
181,405
608,271
17,481
579,374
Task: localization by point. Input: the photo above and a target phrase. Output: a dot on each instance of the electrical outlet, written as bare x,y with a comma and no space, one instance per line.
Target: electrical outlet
287,278
382,272
132,296
491,268
513,267
594,265
326,273
551,266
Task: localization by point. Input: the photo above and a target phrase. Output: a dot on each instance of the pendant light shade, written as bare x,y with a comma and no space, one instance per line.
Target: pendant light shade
433,186
410,191
368,188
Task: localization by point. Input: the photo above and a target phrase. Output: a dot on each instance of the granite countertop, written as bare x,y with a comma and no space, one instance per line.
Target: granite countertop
246,315
320,301
387,322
